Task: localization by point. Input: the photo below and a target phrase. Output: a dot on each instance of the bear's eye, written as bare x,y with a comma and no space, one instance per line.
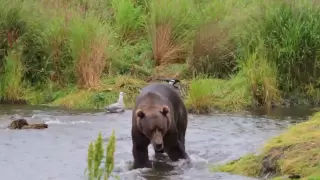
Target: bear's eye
161,130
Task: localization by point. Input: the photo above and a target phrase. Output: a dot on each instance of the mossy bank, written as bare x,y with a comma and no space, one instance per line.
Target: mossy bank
296,152
231,54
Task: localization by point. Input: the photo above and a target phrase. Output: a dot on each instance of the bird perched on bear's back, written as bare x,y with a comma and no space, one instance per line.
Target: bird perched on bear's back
172,82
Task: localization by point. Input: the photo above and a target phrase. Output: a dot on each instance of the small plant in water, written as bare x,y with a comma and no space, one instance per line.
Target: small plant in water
97,155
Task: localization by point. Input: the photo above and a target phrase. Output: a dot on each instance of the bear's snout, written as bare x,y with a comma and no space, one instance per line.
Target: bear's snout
157,141
158,147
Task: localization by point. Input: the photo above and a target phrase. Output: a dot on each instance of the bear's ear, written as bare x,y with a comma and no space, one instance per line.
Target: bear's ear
165,110
140,113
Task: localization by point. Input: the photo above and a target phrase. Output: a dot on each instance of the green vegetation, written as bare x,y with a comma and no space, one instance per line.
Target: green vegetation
97,156
295,152
231,54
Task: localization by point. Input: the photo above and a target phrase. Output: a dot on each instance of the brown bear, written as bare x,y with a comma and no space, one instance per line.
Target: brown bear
159,117
23,124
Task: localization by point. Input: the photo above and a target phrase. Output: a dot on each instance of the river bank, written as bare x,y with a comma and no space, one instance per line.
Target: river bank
293,153
81,54
201,95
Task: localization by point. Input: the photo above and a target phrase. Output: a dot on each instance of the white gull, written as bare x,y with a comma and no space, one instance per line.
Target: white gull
118,106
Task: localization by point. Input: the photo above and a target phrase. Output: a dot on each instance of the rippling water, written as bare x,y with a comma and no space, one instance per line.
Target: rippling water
60,151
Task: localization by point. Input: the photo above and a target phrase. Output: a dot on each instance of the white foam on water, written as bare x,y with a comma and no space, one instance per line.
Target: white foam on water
197,159
53,120
81,122
42,116
130,174
195,162
66,122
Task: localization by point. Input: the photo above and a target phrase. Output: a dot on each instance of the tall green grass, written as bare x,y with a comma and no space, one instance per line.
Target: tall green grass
129,19
89,45
270,46
213,50
200,98
60,60
290,36
261,76
70,48
11,87
207,94
169,27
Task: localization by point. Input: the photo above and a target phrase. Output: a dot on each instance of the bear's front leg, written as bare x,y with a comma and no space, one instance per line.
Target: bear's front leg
176,152
140,157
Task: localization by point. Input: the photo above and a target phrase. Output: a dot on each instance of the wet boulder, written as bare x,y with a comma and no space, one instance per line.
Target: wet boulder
23,124
35,126
18,124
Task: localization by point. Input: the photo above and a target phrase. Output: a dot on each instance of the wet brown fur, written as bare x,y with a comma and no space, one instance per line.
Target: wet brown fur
160,118
149,112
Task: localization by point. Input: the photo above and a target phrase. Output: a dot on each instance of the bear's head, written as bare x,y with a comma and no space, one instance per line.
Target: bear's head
154,123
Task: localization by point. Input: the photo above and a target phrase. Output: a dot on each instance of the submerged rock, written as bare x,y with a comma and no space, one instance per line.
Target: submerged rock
36,126
23,124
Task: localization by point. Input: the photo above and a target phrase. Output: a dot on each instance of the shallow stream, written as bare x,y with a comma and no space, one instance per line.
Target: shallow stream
59,152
